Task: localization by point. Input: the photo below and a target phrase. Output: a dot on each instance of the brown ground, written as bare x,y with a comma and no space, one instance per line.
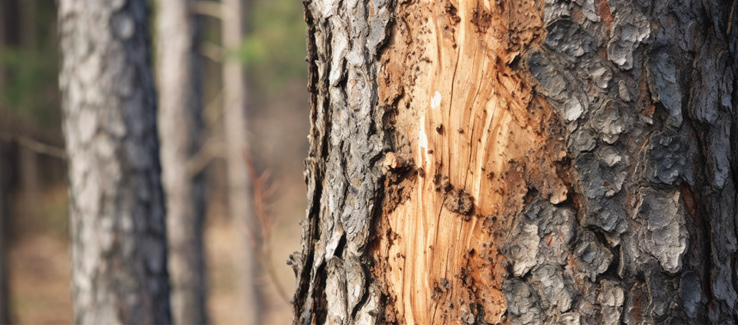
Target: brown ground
40,276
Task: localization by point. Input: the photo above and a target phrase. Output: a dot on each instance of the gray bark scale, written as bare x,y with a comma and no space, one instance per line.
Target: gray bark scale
655,240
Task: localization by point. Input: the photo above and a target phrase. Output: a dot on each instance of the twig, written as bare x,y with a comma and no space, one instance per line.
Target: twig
262,194
34,145
210,150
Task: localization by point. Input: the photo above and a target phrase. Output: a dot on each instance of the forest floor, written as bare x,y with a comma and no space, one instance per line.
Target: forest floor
40,269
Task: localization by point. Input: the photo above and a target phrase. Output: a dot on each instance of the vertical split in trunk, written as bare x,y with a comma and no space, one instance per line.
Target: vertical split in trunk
520,161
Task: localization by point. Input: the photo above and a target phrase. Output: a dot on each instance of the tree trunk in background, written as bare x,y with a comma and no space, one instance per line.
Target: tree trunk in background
3,40
180,131
4,292
28,32
519,161
119,252
239,201
27,207
4,196
28,159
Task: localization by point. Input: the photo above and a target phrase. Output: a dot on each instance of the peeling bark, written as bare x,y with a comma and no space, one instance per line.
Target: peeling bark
119,252
593,141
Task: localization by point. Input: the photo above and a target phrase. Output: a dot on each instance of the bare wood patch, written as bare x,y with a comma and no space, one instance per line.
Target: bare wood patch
450,66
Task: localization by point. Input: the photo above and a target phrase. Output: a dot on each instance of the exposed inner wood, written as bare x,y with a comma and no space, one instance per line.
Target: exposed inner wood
469,122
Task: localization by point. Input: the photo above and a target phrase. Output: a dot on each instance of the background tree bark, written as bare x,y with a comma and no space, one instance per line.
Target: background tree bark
239,204
180,130
118,227
4,292
520,161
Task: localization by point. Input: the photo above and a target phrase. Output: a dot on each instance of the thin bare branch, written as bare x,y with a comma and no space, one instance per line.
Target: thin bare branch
34,145
210,150
263,253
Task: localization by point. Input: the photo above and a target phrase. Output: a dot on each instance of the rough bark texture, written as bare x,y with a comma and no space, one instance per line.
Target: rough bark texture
520,161
239,198
119,252
180,131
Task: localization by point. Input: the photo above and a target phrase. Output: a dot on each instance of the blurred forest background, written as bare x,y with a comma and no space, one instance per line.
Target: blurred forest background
34,182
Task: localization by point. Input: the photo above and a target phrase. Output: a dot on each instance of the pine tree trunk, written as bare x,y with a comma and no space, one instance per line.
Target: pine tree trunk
528,162
3,40
4,294
180,130
119,253
28,31
239,201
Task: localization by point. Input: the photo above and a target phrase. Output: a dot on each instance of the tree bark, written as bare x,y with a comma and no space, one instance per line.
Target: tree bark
528,162
239,204
180,131
119,253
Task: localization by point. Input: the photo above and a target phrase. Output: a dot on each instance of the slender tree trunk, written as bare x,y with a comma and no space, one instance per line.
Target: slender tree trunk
3,40
28,32
527,162
28,160
119,253
234,99
4,195
180,130
4,292
27,210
